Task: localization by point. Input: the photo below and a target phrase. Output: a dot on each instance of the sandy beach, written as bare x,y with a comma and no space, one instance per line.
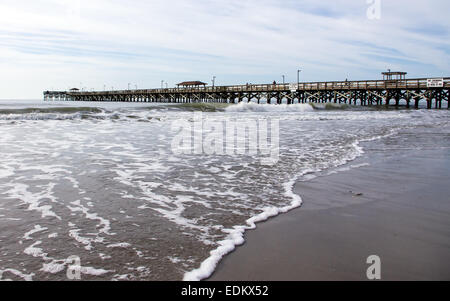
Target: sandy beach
393,202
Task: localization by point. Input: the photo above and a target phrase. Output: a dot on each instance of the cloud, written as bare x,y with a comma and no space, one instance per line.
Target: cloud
60,43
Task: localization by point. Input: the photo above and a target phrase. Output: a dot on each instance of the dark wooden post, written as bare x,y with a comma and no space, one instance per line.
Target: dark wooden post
388,98
429,100
408,99
448,99
397,99
438,100
416,102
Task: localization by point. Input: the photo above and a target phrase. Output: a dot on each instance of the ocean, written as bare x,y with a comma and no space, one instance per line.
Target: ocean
142,191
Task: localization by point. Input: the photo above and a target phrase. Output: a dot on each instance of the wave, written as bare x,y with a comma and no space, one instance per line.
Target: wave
51,116
254,107
56,113
329,106
302,107
203,106
156,112
59,110
113,113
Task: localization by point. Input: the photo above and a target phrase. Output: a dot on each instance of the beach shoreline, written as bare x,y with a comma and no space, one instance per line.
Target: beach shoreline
392,202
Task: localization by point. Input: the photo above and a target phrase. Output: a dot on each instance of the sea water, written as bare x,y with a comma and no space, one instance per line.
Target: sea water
99,185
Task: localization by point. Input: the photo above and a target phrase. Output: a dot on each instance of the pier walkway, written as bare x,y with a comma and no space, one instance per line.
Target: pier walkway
435,92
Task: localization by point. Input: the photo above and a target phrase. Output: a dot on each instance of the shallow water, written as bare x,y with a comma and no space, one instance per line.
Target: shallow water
101,181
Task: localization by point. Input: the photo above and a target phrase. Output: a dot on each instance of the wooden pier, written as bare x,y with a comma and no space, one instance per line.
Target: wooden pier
387,92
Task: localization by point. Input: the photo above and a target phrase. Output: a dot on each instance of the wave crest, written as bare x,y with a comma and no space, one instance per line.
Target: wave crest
254,107
57,110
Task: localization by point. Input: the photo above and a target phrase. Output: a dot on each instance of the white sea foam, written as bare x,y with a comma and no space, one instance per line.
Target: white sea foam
119,245
347,168
254,107
104,256
57,266
54,266
35,251
93,271
86,241
26,277
235,238
174,260
34,200
36,229
122,277
103,222
6,171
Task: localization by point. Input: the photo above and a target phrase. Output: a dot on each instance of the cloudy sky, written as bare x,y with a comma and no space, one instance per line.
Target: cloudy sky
57,44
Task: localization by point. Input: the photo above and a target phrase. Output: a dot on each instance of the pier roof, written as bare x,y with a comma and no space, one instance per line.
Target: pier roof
192,84
394,75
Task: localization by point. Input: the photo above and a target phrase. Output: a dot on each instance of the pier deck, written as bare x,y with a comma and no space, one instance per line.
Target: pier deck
435,92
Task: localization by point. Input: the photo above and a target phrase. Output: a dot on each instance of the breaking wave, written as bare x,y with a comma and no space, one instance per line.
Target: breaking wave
254,107
56,110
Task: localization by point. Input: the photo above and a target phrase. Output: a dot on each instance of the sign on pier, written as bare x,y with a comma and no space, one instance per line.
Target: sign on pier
293,87
435,83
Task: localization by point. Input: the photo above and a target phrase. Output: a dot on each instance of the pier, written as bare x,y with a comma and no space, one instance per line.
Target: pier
393,90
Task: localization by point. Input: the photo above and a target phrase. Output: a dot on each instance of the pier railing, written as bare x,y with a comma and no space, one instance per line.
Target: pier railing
420,83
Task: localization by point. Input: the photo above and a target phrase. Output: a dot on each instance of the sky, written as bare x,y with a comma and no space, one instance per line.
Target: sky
97,44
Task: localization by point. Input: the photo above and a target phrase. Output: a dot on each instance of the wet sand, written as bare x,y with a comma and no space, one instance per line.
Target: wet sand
397,206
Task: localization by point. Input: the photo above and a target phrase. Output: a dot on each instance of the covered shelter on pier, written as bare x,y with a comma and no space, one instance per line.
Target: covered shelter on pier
191,84
394,75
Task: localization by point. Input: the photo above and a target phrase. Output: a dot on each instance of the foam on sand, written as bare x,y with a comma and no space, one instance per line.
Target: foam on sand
236,237
54,266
